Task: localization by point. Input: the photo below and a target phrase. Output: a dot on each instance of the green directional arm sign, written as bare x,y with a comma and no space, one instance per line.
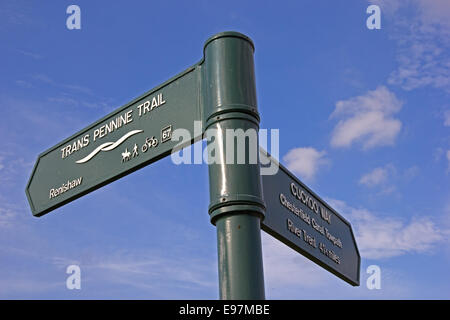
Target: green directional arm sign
299,218
129,138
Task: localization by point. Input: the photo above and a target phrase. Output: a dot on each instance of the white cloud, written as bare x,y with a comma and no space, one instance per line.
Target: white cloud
386,237
421,29
286,267
7,217
434,12
367,119
411,172
384,176
148,270
447,118
289,275
13,170
305,161
24,84
448,159
73,87
30,54
18,284
374,177
437,154
12,166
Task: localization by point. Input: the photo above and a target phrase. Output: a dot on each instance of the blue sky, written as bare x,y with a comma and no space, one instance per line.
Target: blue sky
364,120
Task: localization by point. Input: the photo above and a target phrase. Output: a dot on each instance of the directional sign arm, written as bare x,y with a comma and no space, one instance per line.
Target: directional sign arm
122,142
299,218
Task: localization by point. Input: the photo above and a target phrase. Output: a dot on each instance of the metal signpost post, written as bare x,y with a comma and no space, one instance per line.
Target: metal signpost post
219,94
236,202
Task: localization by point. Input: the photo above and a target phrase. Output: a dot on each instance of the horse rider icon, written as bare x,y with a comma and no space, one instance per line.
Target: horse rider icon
126,155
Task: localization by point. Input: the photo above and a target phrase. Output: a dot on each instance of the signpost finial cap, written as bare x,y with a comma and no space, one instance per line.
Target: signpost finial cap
233,34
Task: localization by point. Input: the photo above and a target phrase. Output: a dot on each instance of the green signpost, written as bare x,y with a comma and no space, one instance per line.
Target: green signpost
219,93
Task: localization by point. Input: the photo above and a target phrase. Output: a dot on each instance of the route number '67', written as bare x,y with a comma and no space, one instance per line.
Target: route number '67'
166,134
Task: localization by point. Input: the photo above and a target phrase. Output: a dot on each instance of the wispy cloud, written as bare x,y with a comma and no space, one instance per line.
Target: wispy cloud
285,267
367,119
73,87
447,118
448,160
386,237
13,13
375,177
30,54
24,84
157,273
289,275
421,29
67,94
12,167
305,161
411,172
7,217
147,270
440,153
20,284
437,154
67,100
384,178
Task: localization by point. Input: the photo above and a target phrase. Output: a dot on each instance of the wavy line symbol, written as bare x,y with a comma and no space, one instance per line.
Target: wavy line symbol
108,146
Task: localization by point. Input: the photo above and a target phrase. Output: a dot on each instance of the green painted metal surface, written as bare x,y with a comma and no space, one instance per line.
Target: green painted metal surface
302,220
236,203
240,257
129,138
